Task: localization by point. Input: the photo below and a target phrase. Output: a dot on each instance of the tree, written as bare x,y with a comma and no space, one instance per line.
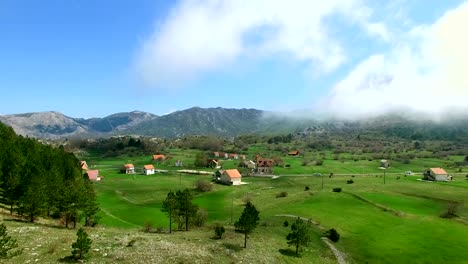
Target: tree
299,235
91,207
219,231
200,160
7,244
187,210
169,206
248,221
82,245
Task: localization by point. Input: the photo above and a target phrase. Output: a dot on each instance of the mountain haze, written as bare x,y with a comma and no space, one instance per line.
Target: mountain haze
230,122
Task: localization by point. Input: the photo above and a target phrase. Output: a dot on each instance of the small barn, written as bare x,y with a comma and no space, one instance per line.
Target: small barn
128,169
93,175
212,163
436,174
247,164
179,163
148,169
231,177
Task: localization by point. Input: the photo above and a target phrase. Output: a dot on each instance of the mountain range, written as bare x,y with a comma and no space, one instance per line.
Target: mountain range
228,123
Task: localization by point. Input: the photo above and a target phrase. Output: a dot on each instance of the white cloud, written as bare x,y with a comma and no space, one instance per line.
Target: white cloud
202,36
425,72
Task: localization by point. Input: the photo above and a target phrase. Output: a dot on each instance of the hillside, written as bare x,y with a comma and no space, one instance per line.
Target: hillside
233,122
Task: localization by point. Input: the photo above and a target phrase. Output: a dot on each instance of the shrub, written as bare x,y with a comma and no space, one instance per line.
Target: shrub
82,245
147,226
281,194
219,231
336,189
7,244
333,235
286,223
200,217
287,165
451,211
306,188
203,185
319,162
349,181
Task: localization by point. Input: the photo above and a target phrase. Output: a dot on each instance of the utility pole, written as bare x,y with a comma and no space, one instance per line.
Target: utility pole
232,207
384,176
322,181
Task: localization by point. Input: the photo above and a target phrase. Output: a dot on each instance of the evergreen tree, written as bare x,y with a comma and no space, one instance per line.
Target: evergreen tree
299,235
7,244
187,210
90,207
32,203
248,221
169,206
82,245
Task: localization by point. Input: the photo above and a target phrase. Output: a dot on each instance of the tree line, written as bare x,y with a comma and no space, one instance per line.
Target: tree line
39,180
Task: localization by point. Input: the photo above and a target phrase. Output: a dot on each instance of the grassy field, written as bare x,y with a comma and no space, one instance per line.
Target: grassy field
398,221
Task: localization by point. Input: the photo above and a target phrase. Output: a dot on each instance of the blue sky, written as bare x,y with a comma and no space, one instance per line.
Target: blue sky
345,57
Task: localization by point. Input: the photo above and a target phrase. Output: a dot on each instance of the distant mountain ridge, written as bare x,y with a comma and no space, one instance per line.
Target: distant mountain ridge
228,123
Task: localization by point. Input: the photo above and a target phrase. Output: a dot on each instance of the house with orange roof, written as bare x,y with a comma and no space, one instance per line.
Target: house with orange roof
436,174
84,165
148,169
93,175
231,177
128,169
159,157
233,156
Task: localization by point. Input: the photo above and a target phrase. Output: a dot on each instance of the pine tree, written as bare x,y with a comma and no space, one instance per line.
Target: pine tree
82,245
170,208
300,234
248,221
7,244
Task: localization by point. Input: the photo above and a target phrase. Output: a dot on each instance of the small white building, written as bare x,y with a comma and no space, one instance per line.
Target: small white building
436,174
128,168
148,169
231,177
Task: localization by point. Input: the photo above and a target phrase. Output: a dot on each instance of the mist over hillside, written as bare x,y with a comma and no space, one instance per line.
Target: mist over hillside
233,122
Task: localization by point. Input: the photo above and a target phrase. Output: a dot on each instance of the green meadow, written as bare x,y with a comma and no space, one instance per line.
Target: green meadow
395,222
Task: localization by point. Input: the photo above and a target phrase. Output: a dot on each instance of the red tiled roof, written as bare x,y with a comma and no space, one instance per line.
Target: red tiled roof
149,167
158,156
93,174
294,152
438,171
129,166
234,173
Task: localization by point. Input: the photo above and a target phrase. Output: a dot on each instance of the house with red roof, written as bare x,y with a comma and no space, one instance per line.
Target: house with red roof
293,153
93,175
265,166
231,177
148,169
436,174
128,169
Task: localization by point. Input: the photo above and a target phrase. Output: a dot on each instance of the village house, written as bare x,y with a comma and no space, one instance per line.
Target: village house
159,157
384,163
265,166
148,169
247,164
179,163
436,174
233,156
212,163
128,169
230,177
84,165
242,156
93,175
293,153
216,154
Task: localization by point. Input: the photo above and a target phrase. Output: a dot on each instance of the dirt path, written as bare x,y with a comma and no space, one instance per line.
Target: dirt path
340,256
115,217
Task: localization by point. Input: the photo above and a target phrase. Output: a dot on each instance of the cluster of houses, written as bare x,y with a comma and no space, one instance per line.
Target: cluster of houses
225,155
130,169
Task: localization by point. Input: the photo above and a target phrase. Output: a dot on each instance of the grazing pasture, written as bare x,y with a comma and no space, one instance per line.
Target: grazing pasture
398,221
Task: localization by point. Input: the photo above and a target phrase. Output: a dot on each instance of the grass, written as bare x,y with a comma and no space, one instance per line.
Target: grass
379,223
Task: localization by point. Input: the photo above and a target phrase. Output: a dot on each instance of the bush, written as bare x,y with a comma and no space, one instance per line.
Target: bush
333,235
219,231
451,211
319,162
203,185
147,226
7,244
82,245
286,223
336,189
287,165
306,188
200,217
281,194
349,181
